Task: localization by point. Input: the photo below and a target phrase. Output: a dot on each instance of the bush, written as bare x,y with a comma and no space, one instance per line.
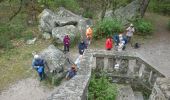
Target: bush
88,14
169,25
68,4
162,7
101,89
107,27
143,27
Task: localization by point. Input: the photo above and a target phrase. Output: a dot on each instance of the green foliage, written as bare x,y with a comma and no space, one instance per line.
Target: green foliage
75,41
160,6
169,25
107,27
144,27
88,14
27,36
101,89
9,32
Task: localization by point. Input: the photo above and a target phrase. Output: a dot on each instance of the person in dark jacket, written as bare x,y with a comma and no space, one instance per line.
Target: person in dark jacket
66,42
116,39
71,72
38,64
82,47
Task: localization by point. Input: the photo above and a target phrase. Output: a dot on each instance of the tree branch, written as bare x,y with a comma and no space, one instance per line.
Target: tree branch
16,13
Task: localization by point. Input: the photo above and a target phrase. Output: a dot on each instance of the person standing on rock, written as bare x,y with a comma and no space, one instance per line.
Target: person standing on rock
109,43
38,64
66,42
130,30
89,33
82,47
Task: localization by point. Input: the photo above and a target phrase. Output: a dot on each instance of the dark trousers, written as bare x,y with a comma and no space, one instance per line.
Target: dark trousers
66,48
129,38
41,74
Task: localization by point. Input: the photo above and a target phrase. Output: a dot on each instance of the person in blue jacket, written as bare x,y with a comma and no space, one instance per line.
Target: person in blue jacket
82,46
38,64
116,39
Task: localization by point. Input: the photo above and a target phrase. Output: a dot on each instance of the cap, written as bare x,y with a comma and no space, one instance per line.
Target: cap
36,56
131,24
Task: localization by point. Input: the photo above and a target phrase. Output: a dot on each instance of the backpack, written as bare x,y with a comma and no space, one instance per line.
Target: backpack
39,62
136,46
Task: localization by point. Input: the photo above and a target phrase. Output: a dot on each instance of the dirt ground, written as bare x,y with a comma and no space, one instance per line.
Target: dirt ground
156,51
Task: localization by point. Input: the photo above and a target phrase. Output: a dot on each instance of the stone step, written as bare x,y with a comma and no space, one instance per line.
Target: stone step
125,93
138,95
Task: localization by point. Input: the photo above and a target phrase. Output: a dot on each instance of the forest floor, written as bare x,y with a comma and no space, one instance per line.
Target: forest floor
155,49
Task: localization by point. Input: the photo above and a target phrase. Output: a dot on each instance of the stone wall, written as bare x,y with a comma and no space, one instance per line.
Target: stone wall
75,88
133,67
161,89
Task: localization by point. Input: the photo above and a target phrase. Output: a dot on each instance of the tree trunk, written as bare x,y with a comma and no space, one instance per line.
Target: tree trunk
143,8
104,6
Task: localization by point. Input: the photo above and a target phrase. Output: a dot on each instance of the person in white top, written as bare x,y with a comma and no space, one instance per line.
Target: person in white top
130,30
78,60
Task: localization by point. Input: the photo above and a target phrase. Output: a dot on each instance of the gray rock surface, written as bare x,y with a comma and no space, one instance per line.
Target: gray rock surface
46,35
61,19
58,33
124,14
31,41
57,63
46,21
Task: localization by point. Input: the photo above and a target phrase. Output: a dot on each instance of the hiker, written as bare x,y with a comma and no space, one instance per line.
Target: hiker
71,72
130,30
89,33
66,42
116,39
121,46
108,43
77,62
122,42
38,64
82,47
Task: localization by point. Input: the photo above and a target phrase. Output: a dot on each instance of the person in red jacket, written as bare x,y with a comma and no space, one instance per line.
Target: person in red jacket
109,43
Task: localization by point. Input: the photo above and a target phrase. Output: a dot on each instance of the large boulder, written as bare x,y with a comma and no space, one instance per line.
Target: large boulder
50,21
46,21
58,33
125,14
57,63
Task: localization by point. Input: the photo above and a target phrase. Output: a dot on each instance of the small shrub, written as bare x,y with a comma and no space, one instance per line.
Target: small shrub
101,89
169,25
88,14
68,4
143,27
107,27
158,6
27,36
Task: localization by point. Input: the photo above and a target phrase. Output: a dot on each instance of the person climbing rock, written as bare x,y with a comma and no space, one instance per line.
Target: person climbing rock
130,30
66,42
89,33
108,43
38,64
71,72
82,47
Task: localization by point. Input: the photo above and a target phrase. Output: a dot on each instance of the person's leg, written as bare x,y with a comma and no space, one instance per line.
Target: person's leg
68,48
40,75
65,48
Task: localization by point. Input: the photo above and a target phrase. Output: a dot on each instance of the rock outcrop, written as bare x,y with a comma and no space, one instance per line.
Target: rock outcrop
63,20
125,14
57,63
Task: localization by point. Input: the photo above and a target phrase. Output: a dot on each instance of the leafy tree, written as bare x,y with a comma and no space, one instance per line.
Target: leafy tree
101,89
